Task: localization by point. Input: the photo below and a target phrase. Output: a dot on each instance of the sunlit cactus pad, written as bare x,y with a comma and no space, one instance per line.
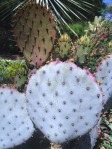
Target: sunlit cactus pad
64,45
81,53
104,77
15,124
63,101
35,31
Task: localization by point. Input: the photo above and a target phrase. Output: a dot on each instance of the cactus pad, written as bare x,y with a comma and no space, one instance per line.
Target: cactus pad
88,140
63,101
81,53
35,32
19,81
104,77
62,49
15,124
64,44
94,134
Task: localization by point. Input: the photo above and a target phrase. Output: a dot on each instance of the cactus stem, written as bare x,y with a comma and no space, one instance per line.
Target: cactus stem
55,146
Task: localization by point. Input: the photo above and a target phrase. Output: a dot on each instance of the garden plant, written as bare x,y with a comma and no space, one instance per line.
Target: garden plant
61,87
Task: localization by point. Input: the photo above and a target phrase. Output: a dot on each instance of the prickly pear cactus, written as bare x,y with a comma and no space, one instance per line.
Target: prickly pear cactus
88,140
89,57
97,24
15,124
63,101
63,47
35,32
20,80
104,77
94,45
84,41
80,54
94,134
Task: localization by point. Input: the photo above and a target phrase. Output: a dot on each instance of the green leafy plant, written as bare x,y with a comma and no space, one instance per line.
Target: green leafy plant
9,70
105,131
77,27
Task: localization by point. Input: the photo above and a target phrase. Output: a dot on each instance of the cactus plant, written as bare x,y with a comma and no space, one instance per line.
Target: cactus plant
35,32
63,47
104,76
11,69
98,23
94,134
90,49
80,54
15,124
84,40
60,95
19,81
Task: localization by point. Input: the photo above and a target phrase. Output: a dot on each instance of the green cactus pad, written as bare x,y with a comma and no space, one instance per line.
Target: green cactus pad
64,44
62,50
80,54
20,80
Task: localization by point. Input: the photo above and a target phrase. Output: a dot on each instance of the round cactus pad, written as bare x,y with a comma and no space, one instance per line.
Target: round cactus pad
104,76
15,124
63,101
35,32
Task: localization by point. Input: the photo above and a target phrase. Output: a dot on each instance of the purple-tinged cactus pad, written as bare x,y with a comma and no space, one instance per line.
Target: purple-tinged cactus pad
63,101
15,124
104,77
35,32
